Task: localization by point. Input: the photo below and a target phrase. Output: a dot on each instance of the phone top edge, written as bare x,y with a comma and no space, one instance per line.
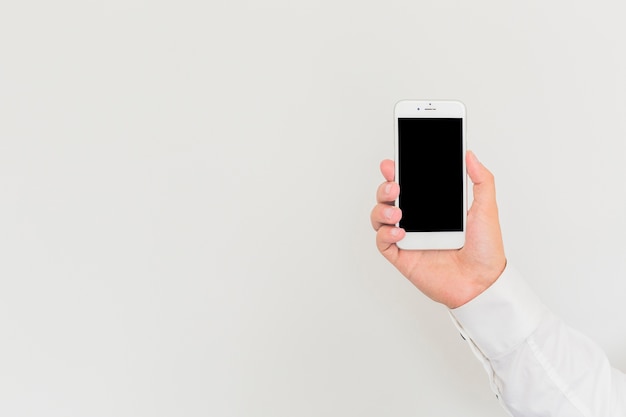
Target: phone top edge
429,108
437,101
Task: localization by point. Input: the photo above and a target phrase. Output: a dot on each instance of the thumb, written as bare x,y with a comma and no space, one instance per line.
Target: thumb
484,184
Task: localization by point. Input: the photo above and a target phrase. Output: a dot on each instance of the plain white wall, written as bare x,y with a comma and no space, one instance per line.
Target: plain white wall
185,190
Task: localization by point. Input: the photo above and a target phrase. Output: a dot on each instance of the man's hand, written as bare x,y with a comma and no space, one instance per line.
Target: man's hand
450,277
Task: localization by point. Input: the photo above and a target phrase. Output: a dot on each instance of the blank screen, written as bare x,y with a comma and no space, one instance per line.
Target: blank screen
430,174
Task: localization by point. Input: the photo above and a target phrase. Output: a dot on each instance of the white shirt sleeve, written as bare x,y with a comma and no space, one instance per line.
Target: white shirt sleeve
537,365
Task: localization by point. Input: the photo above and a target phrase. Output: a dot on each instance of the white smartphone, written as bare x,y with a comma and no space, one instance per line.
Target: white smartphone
430,170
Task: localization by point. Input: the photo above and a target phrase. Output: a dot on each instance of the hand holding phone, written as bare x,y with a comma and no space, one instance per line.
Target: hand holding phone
451,277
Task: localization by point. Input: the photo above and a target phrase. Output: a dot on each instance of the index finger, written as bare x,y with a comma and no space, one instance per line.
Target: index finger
388,169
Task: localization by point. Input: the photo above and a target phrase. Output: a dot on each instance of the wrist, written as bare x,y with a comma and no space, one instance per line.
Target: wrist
477,282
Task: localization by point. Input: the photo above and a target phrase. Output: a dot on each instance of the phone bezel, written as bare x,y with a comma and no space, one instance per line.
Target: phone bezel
433,109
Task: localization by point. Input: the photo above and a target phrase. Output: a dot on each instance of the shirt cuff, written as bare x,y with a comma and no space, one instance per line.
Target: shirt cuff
503,316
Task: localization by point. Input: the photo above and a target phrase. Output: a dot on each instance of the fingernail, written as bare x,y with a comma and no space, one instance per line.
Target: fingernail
395,231
473,156
388,212
387,188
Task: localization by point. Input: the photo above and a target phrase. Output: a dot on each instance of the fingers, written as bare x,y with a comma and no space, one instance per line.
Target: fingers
386,239
385,215
388,169
387,192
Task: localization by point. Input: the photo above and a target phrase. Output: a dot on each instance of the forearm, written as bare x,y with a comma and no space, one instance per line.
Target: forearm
537,365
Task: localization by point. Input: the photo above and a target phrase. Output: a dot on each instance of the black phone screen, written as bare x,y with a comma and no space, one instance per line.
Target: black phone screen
430,174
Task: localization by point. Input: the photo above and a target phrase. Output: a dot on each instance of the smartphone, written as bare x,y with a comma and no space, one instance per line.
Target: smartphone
430,170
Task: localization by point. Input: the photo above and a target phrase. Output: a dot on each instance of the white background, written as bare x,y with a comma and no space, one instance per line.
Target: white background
185,191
